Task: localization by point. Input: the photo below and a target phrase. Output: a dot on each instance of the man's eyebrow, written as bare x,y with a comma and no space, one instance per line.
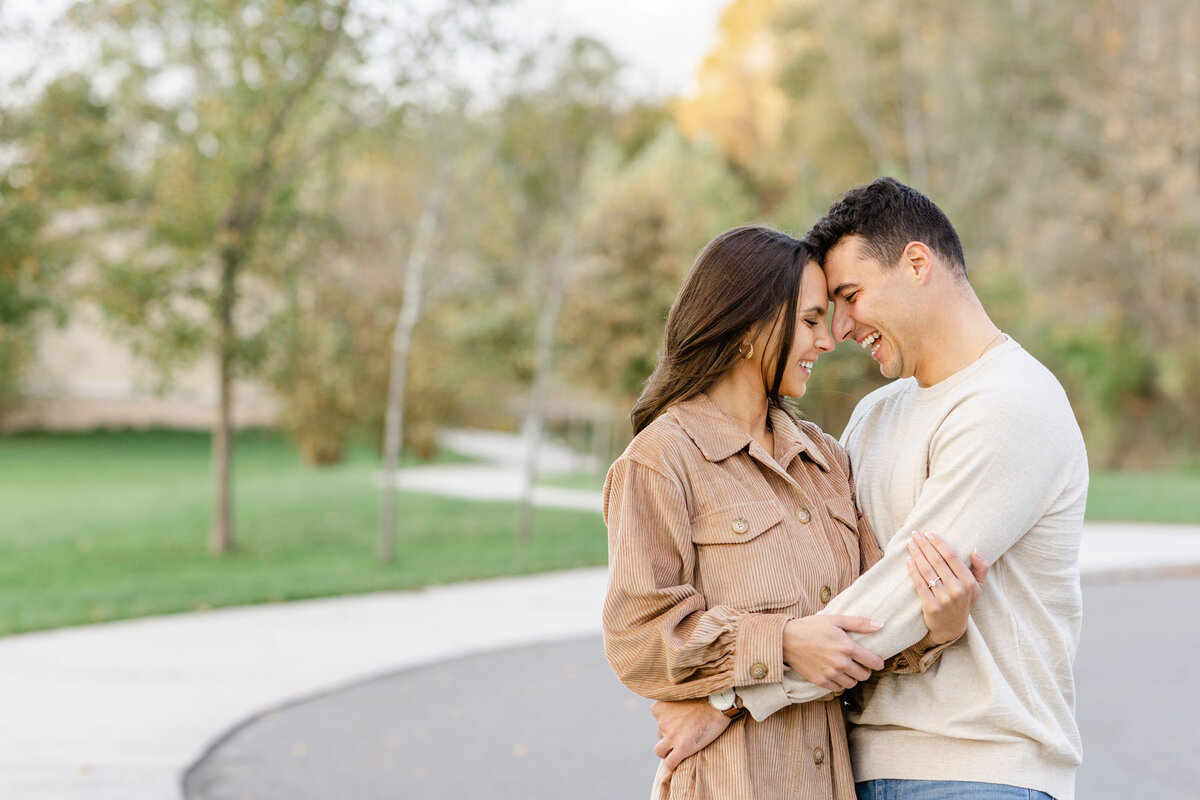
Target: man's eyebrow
841,289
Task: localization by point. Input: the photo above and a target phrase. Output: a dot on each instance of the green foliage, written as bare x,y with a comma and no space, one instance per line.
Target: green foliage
644,221
561,105
70,143
328,363
59,157
111,525
227,101
1061,140
221,136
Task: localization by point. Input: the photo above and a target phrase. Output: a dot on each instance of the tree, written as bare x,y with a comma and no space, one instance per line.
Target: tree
443,116
643,222
551,121
1122,240
227,106
739,106
61,160
1061,139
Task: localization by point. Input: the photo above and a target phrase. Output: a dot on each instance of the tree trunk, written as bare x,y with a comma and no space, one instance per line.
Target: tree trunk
535,417
241,223
406,322
220,536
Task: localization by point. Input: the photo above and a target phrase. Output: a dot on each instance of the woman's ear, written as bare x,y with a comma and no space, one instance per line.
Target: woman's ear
748,344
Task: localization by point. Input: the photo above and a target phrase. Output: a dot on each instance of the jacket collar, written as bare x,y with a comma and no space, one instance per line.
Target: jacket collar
719,437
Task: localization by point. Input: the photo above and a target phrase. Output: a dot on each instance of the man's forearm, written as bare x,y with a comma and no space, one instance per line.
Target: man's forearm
884,592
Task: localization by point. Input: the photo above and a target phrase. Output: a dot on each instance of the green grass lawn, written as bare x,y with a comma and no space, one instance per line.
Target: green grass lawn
1145,496
106,526
574,480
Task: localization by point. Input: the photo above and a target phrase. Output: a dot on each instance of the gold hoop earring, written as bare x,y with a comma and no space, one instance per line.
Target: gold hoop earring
746,353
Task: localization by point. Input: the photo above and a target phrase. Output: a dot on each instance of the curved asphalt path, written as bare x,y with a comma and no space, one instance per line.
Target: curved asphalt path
550,721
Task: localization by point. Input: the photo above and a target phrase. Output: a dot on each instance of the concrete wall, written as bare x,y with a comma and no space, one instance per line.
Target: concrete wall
82,378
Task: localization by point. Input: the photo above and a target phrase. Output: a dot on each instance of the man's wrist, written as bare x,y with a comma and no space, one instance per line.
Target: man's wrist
728,703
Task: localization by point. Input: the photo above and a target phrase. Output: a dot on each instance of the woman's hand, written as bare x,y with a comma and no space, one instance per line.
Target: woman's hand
818,648
685,727
946,587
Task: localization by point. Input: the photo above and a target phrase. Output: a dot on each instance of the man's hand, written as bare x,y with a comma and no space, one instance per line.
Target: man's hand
685,728
818,648
948,589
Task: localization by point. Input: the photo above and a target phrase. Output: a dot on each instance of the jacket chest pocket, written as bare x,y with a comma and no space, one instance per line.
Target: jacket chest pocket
844,532
745,559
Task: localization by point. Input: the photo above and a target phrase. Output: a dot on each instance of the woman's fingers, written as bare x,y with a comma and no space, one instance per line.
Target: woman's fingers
950,557
855,624
847,676
979,566
920,583
921,558
819,648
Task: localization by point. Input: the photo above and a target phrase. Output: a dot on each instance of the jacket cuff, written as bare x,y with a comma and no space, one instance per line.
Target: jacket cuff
758,649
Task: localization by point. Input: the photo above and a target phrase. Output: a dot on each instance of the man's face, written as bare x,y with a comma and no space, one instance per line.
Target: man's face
869,306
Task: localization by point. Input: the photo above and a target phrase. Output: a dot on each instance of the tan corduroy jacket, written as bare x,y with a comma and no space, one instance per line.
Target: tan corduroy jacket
713,545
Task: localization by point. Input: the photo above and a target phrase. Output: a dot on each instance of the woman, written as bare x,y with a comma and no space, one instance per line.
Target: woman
731,524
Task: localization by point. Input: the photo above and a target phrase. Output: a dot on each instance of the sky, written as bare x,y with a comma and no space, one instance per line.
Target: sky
662,41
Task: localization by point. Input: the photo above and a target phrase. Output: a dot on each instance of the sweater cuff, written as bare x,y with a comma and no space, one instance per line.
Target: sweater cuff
918,658
764,699
758,649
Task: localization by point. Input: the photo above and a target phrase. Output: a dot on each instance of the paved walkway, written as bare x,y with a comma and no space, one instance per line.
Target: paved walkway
498,473
119,711
550,721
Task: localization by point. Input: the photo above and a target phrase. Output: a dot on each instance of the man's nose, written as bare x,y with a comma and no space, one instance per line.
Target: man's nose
842,326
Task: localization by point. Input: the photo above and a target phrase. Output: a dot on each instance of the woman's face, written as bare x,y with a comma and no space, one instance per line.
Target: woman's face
810,338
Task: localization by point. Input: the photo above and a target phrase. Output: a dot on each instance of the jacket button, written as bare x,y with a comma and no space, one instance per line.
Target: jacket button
803,515
826,593
818,756
758,671
740,525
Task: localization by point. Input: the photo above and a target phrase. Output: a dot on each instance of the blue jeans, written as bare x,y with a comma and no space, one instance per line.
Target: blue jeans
894,789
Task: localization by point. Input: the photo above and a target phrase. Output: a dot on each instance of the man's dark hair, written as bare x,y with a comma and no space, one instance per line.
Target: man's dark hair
888,215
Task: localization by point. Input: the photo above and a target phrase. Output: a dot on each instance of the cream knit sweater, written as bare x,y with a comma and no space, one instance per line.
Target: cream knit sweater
991,458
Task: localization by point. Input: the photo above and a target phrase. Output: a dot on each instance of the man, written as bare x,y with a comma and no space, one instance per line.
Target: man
975,440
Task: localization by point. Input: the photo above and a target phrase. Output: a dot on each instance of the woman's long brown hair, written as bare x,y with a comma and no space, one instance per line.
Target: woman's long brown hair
743,277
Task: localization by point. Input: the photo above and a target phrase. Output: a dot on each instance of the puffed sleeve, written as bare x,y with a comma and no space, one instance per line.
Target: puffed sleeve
662,640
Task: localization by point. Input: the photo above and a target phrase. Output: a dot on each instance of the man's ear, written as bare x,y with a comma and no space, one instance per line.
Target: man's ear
917,261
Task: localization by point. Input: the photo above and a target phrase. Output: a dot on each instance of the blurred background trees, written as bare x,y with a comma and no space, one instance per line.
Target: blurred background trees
1060,137
246,181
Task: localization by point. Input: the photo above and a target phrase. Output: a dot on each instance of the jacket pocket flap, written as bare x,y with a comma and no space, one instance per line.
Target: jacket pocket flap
736,524
843,511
